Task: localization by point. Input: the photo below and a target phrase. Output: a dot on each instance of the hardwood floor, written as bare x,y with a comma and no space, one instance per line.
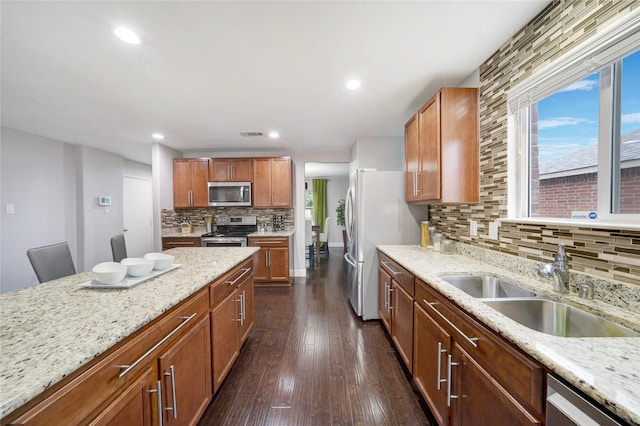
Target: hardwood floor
311,361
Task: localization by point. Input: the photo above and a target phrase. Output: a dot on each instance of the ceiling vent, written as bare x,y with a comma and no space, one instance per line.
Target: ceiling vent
251,134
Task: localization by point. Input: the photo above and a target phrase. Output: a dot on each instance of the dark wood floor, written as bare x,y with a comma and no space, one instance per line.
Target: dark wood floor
311,361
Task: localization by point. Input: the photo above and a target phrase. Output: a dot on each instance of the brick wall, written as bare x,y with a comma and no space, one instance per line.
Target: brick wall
610,253
558,197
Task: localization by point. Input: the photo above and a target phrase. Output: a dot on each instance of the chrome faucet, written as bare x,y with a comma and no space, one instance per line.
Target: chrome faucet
558,270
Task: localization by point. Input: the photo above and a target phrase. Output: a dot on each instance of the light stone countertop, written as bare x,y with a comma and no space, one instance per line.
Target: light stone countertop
49,330
272,234
606,369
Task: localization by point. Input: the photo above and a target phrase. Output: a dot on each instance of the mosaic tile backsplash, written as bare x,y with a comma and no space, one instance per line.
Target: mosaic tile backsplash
172,218
609,253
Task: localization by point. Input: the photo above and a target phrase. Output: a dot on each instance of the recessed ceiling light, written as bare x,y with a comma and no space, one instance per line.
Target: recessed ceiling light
127,35
353,84
274,135
158,136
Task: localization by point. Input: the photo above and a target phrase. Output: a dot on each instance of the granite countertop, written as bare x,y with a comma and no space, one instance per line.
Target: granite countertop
49,330
603,368
272,234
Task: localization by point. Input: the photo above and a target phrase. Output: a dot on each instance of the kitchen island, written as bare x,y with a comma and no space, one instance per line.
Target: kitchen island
605,369
51,330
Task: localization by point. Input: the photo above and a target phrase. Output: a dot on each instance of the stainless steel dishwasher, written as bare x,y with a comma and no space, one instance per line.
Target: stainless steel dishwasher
566,407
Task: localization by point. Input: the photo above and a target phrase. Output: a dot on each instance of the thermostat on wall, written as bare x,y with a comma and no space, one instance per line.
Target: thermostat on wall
104,201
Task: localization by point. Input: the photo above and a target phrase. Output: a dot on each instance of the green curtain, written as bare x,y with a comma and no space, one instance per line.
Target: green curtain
319,202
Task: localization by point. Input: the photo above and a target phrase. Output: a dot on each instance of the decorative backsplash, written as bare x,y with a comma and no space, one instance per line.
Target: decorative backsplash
609,253
172,218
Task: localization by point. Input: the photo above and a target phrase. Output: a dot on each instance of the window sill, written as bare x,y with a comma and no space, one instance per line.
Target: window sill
574,223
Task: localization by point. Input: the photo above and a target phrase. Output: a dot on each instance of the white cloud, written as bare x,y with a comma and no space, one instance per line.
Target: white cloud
584,85
631,118
560,121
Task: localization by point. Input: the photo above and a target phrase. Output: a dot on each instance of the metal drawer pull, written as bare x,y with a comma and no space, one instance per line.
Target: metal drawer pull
124,369
440,352
449,365
241,275
471,340
266,242
241,301
390,268
180,243
158,390
173,392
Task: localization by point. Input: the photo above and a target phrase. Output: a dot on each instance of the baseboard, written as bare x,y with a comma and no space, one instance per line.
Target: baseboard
299,273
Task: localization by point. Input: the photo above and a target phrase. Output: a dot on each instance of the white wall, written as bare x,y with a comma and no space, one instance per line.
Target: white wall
162,171
381,153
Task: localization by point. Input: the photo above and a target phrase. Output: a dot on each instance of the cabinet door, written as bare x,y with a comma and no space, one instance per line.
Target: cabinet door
241,170
402,323
412,159
135,406
199,180
219,170
429,135
185,371
260,266
245,299
431,345
224,332
279,264
181,182
479,399
261,182
384,297
281,182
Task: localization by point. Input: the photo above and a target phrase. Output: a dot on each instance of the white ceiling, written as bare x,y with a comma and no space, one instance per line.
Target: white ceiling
207,71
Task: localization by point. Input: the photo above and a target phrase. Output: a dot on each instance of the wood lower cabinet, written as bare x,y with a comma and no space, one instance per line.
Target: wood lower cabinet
384,298
272,182
273,262
468,374
190,178
230,170
442,160
232,318
173,242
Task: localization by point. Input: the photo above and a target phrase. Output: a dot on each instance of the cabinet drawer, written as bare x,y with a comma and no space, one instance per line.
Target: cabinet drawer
228,283
514,370
173,242
92,388
403,277
268,242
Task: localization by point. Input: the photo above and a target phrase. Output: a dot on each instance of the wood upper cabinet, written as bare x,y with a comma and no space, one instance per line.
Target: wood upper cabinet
272,182
442,159
273,262
190,178
230,170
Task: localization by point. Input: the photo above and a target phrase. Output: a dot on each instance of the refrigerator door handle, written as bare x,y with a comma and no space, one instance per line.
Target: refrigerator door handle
348,258
348,208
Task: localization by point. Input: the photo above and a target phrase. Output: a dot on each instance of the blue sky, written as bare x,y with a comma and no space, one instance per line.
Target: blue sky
568,119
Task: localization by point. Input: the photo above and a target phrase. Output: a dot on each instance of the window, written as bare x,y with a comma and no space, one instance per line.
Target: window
576,129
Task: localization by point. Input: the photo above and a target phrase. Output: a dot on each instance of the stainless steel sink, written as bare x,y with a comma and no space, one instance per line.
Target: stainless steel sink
559,319
486,286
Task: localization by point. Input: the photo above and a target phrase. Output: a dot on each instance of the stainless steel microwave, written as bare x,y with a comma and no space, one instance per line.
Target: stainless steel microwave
223,194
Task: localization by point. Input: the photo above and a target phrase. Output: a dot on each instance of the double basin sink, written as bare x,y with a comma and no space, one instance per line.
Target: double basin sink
535,312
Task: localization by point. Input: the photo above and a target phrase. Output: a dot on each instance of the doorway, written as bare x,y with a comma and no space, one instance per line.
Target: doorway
137,215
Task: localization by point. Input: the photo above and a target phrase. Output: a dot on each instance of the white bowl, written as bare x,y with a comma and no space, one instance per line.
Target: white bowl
137,266
163,261
109,272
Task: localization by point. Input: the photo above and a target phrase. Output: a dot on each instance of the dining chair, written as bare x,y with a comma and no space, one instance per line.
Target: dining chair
308,239
51,262
324,237
118,248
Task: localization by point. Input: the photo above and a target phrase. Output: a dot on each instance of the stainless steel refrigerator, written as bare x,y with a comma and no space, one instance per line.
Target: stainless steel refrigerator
375,213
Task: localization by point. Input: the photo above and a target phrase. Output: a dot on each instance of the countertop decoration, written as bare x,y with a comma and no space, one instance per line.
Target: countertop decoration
49,330
603,368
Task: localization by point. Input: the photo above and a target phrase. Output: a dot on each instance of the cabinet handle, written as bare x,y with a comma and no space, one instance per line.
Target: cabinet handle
241,301
417,183
449,365
158,390
173,392
124,369
179,243
244,307
230,172
395,273
440,352
265,242
471,340
268,259
386,295
241,275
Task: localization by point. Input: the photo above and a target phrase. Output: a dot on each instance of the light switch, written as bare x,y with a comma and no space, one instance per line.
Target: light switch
473,228
493,230
11,209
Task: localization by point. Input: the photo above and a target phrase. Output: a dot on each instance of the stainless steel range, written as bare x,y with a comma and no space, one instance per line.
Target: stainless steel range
231,231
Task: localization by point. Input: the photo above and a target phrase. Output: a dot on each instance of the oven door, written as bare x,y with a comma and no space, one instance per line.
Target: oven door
224,242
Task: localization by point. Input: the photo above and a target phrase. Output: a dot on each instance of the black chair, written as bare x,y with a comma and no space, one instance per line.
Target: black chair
118,248
51,262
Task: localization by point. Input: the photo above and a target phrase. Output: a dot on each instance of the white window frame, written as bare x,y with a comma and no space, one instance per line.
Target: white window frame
597,54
